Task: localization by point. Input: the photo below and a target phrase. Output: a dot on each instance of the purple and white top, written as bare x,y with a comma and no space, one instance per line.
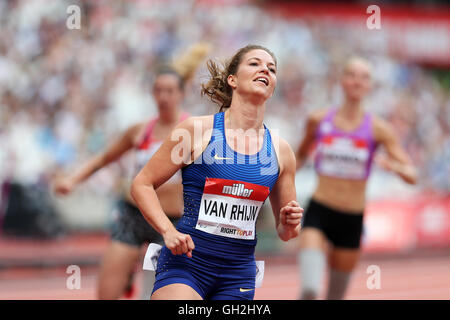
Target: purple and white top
342,154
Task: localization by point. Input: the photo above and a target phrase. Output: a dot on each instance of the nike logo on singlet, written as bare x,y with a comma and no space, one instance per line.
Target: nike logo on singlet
245,290
220,158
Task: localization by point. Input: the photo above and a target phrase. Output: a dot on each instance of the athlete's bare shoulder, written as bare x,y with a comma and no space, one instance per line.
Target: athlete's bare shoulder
316,116
136,128
135,132
287,157
199,129
313,121
197,122
283,149
379,122
382,129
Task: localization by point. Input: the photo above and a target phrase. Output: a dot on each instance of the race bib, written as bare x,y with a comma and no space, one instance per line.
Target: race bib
259,273
230,208
151,256
343,157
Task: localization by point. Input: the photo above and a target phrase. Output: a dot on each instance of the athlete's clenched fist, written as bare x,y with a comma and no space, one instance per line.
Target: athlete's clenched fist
179,243
63,186
290,218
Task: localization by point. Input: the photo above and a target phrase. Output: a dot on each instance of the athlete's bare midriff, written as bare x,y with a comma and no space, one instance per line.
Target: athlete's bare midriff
341,194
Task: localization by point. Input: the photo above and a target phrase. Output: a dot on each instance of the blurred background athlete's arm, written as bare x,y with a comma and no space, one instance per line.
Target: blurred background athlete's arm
64,185
397,159
305,145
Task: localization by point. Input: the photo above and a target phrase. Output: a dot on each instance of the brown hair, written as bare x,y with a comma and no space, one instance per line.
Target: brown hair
217,88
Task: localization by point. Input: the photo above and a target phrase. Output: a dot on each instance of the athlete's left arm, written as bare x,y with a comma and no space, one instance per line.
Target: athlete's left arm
398,160
285,207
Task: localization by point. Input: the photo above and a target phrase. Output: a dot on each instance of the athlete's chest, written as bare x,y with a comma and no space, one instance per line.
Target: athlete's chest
223,163
344,147
145,151
343,154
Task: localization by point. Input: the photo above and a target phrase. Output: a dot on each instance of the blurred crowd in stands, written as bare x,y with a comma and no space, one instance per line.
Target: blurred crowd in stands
65,94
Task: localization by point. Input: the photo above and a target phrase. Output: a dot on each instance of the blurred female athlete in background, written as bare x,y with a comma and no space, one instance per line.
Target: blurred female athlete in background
345,140
228,172
129,230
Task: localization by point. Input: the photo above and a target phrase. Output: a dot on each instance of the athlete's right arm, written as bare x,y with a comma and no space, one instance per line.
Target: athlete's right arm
176,151
312,122
283,197
65,185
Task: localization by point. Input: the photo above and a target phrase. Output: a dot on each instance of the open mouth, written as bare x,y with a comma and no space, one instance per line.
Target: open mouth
263,80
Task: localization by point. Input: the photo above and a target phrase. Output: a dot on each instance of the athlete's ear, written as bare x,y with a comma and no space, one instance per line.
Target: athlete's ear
231,79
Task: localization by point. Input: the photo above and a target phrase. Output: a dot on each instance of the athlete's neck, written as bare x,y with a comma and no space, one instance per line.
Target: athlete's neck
351,109
244,114
169,117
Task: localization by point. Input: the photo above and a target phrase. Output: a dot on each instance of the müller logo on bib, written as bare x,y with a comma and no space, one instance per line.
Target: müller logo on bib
238,189
230,208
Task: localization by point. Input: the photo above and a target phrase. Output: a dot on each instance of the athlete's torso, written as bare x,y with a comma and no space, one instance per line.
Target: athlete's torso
343,162
170,193
224,190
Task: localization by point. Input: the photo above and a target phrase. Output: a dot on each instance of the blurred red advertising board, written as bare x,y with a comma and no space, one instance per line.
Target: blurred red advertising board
388,226
403,225
433,222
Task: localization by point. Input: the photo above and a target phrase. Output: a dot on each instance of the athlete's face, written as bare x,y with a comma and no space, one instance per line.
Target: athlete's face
356,80
256,75
167,92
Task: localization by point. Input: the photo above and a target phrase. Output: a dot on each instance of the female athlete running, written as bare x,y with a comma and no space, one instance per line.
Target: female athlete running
129,230
231,166
346,139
